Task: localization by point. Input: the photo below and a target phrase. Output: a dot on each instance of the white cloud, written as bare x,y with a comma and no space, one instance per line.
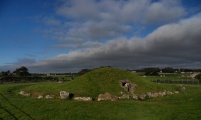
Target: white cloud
77,9
123,11
164,11
91,20
172,44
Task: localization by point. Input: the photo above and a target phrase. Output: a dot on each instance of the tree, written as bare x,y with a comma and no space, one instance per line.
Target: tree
4,73
168,70
83,71
22,71
198,77
151,71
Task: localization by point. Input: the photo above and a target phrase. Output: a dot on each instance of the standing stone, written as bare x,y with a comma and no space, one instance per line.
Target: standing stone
64,95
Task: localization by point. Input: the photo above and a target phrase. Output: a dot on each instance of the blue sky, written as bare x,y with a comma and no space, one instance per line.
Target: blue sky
69,35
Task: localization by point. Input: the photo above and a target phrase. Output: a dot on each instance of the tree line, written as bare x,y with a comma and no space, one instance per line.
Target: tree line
154,70
22,75
22,71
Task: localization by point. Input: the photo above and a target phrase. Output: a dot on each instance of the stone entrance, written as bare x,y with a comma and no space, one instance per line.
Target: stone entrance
128,86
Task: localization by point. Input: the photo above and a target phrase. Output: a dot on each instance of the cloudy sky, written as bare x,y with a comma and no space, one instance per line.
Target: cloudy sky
69,35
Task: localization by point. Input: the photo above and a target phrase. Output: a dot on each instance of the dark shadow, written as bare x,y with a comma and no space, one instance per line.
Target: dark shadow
16,107
8,113
123,83
71,95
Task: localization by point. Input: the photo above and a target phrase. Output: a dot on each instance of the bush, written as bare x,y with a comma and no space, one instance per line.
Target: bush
198,77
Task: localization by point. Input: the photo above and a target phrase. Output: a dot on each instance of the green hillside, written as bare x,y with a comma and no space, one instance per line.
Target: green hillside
98,81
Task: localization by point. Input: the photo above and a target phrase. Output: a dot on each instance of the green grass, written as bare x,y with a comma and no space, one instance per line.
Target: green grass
184,106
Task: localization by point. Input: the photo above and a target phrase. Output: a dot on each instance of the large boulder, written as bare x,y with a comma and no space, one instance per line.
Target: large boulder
23,93
107,96
64,95
83,98
142,97
124,96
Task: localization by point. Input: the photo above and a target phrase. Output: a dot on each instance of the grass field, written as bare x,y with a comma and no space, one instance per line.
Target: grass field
184,106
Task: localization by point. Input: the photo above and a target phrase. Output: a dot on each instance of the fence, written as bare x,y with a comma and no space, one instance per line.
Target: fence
190,82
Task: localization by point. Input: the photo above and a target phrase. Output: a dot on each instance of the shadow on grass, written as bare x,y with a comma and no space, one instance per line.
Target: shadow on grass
8,113
71,95
6,99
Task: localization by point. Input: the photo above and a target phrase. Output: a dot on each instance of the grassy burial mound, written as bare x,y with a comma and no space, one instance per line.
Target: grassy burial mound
98,81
